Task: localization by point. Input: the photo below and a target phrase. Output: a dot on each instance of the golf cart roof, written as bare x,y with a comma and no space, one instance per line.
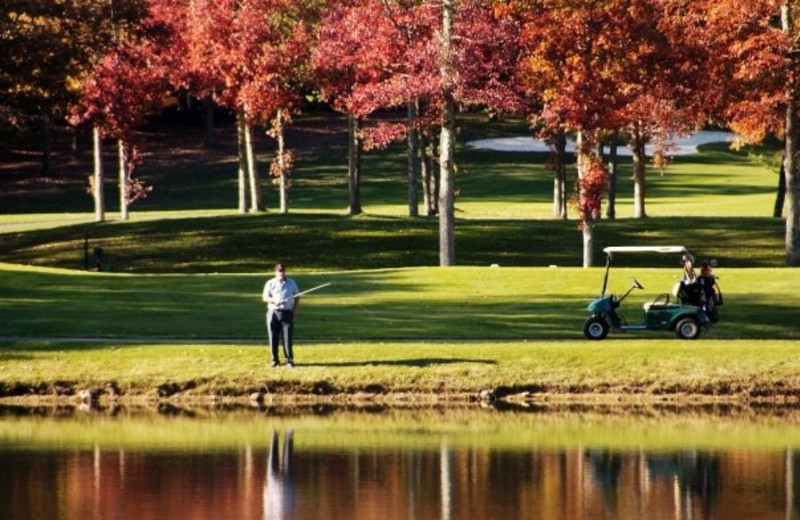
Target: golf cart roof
644,249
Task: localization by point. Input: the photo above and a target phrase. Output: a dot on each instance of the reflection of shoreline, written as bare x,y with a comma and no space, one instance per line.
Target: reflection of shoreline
556,427
278,484
610,405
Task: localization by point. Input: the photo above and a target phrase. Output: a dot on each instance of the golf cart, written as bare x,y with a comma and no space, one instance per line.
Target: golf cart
691,306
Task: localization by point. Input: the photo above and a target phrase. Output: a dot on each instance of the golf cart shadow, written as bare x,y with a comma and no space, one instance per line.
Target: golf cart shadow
687,311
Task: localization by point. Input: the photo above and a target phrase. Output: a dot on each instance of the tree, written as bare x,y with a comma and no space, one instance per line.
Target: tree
123,89
398,63
668,83
357,44
49,48
274,39
571,64
447,251
756,47
252,57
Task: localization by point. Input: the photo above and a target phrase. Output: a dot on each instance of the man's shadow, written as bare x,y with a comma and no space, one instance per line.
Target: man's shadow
420,362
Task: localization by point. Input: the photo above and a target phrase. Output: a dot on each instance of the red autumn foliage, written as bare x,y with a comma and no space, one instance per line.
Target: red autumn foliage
591,186
378,54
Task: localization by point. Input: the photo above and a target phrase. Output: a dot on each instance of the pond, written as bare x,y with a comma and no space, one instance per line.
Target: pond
557,462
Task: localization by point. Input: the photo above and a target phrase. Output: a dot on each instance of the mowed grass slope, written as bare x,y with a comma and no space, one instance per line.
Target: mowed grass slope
252,243
717,203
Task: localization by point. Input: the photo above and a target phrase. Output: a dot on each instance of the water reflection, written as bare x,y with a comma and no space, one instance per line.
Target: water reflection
289,473
278,485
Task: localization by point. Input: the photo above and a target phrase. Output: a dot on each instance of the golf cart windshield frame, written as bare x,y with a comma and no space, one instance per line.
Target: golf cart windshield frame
609,251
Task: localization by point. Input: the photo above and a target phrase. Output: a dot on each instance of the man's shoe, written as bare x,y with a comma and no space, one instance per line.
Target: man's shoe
275,364
290,364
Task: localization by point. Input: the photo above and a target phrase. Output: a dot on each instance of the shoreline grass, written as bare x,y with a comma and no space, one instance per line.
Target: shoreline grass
744,369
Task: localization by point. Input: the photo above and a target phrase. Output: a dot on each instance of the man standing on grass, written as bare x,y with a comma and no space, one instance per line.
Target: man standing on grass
281,296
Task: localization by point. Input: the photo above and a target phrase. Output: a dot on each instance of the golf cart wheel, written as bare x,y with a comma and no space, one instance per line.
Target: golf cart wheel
595,328
687,328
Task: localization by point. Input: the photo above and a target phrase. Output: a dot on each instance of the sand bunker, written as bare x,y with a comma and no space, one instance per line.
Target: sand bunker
682,145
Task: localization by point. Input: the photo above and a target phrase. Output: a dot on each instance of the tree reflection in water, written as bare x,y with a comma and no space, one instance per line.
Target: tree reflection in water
283,469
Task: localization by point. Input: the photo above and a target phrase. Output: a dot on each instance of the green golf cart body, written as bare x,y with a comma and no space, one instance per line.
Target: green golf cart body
687,311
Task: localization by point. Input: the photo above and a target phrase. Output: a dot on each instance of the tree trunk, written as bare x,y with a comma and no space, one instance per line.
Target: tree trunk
447,254
254,181
353,165
611,209
436,174
242,178
792,167
639,163
425,174
780,197
587,226
413,161
560,176
430,175
47,162
75,147
98,180
284,180
124,196
588,243
208,134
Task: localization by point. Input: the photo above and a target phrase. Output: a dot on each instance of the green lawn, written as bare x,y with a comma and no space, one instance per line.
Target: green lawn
478,303
463,330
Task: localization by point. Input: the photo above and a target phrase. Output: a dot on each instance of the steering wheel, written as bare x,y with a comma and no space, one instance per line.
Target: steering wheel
661,299
636,283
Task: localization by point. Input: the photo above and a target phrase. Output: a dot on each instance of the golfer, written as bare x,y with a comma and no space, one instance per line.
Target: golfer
281,295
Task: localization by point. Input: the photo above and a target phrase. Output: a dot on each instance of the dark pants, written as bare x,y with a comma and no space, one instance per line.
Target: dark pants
280,323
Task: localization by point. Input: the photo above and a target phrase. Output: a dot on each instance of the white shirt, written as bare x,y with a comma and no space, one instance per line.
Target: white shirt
284,291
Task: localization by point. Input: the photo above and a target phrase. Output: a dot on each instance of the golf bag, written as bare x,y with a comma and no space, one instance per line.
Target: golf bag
704,293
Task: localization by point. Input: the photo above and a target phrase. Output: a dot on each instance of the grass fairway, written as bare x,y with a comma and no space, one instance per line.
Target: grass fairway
474,303
463,330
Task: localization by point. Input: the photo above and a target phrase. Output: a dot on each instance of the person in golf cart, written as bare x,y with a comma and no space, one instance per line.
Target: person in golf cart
698,290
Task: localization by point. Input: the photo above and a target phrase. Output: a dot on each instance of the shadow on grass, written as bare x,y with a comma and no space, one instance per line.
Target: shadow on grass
420,363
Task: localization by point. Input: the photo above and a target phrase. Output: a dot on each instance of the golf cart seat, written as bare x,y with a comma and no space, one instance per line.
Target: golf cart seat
661,302
657,306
